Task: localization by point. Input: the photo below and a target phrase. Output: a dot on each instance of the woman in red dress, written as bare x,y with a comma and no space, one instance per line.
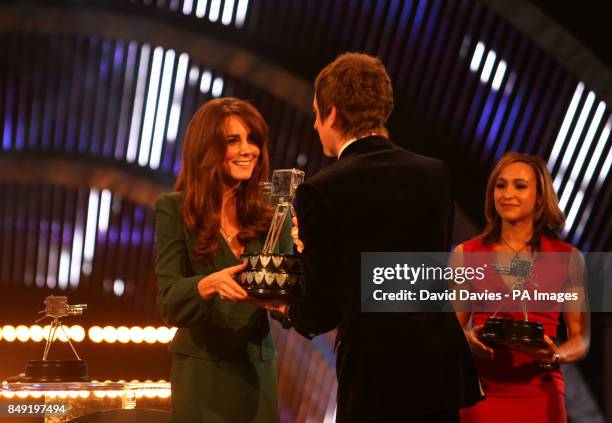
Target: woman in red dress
524,384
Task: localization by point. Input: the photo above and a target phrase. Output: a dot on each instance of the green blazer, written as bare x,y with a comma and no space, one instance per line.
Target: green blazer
212,330
223,368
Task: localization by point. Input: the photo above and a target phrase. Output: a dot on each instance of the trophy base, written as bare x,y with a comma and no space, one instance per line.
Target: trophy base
50,371
509,333
272,276
271,294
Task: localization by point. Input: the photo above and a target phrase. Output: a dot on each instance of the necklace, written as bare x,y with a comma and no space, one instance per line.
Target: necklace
512,248
226,237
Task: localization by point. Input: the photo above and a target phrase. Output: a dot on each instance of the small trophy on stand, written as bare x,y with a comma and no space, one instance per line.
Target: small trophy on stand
57,370
508,331
272,275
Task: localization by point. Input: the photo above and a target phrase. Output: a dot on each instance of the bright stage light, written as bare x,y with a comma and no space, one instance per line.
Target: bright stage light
22,333
164,335
36,333
9,333
109,334
136,334
123,334
95,334
150,335
77,333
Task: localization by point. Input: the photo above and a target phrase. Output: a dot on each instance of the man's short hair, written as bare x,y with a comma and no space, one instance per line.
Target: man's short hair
360,88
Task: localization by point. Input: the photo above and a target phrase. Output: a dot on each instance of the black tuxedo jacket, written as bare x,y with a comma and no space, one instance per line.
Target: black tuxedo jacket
379,197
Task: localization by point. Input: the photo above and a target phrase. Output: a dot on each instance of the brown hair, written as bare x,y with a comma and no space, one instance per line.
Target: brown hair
548,219
360,89
201,175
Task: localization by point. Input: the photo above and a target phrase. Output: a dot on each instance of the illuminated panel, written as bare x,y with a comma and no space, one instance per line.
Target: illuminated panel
573,159
122,101
111,99
146,389
225,12
76,239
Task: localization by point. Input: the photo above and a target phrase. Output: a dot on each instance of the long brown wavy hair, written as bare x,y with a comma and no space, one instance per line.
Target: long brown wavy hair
201,176
548,219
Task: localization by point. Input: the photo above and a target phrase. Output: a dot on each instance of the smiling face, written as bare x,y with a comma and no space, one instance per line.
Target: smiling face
516,192
241,153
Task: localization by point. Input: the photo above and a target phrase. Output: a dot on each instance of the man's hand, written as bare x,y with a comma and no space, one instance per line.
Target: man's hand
295,234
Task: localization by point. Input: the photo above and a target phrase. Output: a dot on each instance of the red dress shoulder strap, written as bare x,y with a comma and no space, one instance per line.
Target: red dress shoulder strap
554,245
476,245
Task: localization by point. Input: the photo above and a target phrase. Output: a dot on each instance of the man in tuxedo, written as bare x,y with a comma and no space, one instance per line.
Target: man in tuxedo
391,367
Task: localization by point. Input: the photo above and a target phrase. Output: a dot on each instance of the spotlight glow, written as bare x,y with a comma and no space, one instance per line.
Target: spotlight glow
136,334
205,82
217,88
213,14
499,75
187,7
150,335
177,97
141,84
123,334
149,115
488,67
164,335
567,121
118,287
9,333
109,334
228,9
200,8
162,110
90,230
477,57
241,12
77,333
569,152
579,162
22,333
105,209
95,334
36,333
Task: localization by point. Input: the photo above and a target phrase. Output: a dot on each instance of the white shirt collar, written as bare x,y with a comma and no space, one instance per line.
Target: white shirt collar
352,140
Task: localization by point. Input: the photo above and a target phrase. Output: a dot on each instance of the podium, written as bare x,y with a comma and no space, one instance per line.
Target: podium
78,400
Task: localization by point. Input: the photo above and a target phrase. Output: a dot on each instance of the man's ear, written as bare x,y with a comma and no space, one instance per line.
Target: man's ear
332,116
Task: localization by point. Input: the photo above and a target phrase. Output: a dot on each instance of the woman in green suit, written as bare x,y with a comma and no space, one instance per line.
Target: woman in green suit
223,366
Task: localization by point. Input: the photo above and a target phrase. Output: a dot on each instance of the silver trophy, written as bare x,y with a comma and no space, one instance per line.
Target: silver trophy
271,274
46,370
508,331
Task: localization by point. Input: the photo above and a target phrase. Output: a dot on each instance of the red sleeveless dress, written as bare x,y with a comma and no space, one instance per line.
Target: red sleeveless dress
516,388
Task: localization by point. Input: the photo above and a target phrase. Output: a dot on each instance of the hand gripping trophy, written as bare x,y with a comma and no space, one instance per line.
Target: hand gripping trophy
509,331
57,370
270,274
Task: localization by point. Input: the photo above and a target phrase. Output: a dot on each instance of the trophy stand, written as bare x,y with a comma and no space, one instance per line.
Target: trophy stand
509,332
46,370
270,274
280,214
